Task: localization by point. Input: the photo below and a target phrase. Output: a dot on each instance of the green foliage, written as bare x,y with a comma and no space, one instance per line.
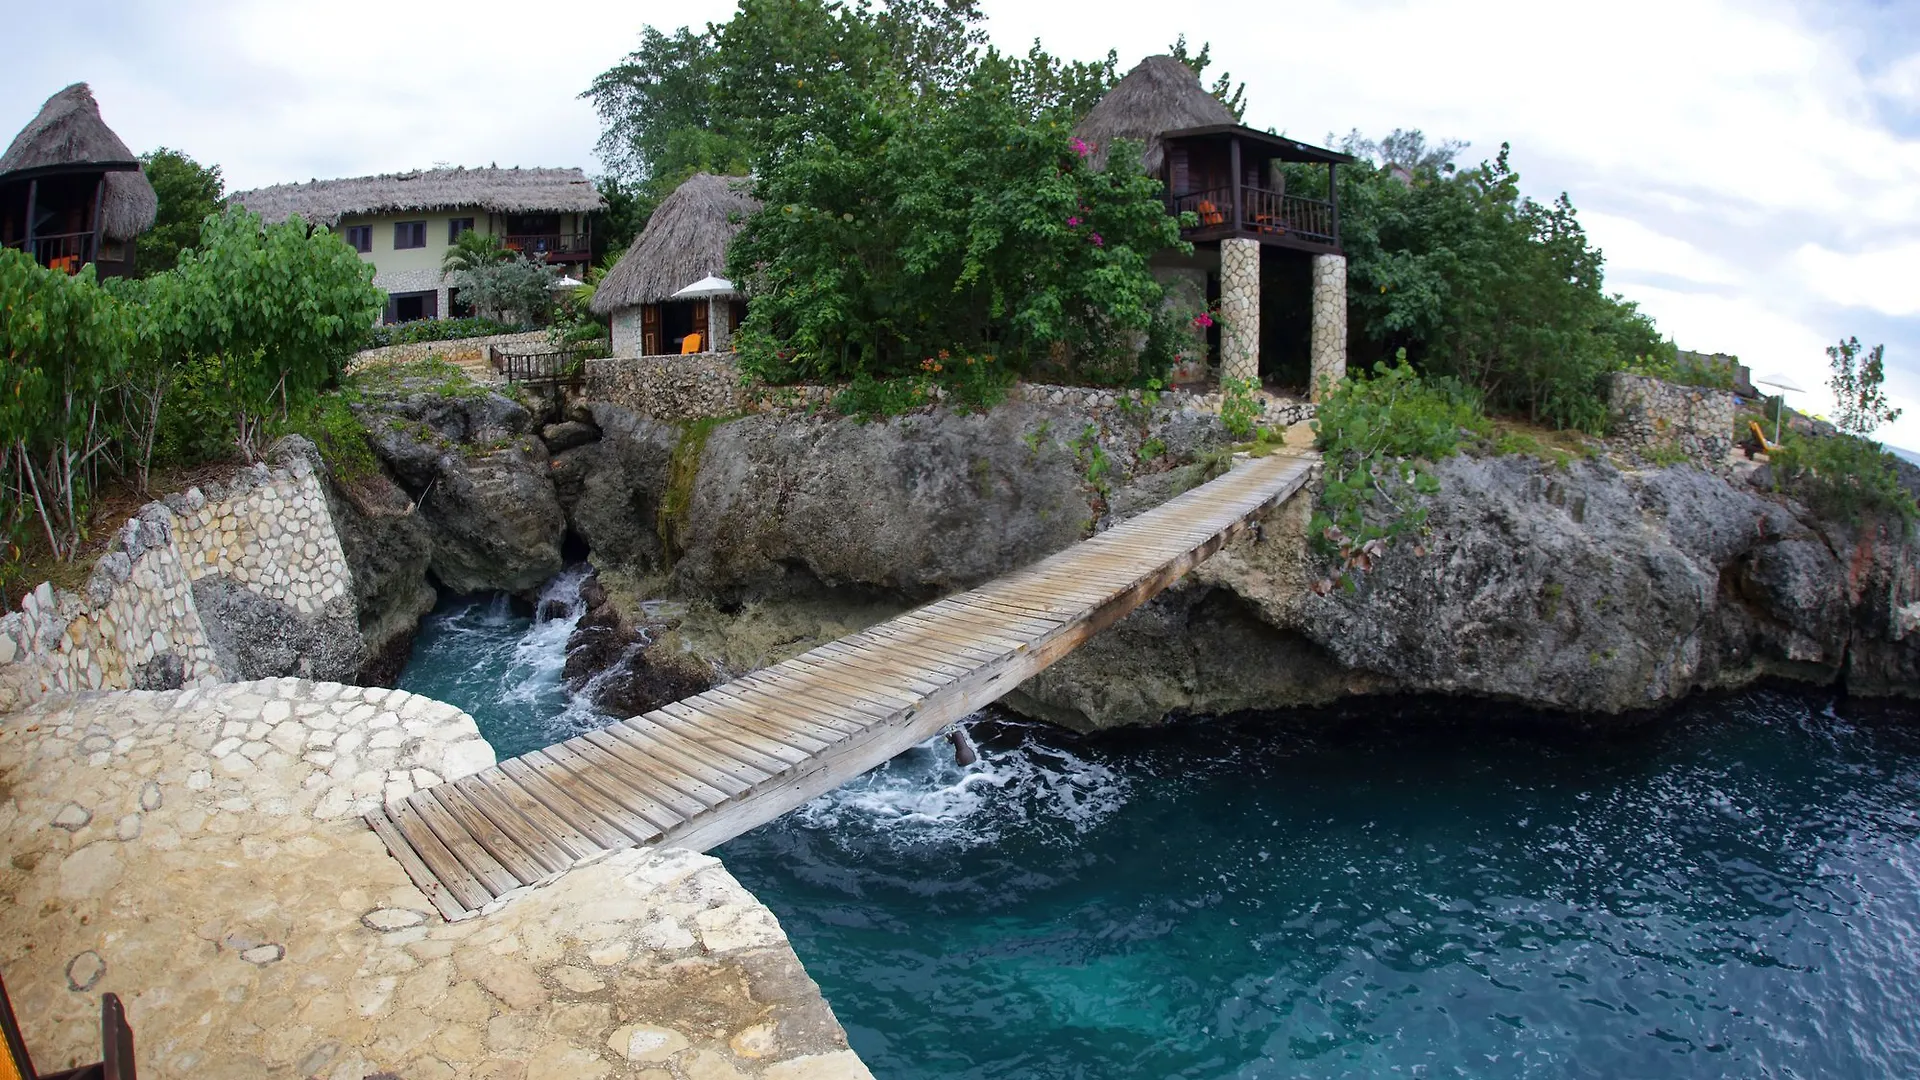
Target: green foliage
472,250
867,398
1842,476
1152,449
1856,386
514,289
1093,457
1479,283
1238,409
683,469
189,193
419,330
330,422
1684,368
1230,94
271,314
65,342
899,226
1377,436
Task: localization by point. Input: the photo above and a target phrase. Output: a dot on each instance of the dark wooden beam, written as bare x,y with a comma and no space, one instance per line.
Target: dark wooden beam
33,196
1333,200
1233,166
99,201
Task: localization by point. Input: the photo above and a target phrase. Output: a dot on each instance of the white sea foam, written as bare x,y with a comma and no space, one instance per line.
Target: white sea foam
923,797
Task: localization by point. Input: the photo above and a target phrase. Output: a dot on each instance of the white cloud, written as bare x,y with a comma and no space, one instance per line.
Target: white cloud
1886,280
1632,249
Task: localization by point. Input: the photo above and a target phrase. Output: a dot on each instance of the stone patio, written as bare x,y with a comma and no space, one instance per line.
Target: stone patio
199,853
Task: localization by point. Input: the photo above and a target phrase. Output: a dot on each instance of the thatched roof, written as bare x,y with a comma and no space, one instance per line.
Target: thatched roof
498,191
685,240
1160,94
68,134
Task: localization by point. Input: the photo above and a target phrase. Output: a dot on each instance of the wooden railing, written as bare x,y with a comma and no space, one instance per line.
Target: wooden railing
1266,212
60,251
552,245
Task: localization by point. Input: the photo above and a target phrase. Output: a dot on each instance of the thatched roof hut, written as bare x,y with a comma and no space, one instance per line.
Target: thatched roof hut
494,190
1159,94
684,241
68,136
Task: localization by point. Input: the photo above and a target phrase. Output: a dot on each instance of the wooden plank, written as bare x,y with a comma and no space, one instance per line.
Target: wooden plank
803,694
874,693
635,779
507,817
772,714
964,633
1015,627
754,698
950,661
610,833
685,763
892,666
496,841
784,742
732,737
496,878
968,655
463,885
563,844
423,877
615,801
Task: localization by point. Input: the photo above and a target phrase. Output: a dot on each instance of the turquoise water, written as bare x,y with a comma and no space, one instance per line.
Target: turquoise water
1380,891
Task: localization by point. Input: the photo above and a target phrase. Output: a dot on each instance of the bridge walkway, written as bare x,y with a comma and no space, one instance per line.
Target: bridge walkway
704,770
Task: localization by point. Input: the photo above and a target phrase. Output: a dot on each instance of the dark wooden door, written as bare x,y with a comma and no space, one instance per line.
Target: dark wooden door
700,324
650,330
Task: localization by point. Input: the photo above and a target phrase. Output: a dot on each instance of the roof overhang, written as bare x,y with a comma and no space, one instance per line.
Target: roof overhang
67,167
1281,147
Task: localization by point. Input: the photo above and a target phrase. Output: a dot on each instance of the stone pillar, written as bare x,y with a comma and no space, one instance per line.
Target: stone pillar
1240,310
719,327
1328,344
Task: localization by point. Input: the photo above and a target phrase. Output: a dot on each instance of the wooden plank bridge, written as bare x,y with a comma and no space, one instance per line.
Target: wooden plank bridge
704,770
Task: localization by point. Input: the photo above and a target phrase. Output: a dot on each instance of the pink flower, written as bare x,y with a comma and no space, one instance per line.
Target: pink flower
1073,221
1203,320
1097,242
1080,147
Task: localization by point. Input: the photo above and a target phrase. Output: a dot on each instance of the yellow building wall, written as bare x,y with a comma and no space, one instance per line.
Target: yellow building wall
387,260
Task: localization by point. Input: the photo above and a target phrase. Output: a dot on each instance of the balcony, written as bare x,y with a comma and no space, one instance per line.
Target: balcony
60,251
1268,216
557,247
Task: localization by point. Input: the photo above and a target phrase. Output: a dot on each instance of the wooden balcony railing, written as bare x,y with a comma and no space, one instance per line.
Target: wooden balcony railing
1262,212
60,251
565,246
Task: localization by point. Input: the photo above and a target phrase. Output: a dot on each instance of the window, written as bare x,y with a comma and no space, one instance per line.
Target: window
456,226
411,306
409,234
360,238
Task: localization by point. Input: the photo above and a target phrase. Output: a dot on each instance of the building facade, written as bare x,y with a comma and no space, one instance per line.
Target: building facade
405,223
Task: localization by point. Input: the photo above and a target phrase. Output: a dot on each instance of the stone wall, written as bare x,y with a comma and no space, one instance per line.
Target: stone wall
138,624
1651,414
709,385
458,351
669,387
1240,310
1327,341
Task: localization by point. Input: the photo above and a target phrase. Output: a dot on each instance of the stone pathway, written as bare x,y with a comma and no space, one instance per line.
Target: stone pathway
199,853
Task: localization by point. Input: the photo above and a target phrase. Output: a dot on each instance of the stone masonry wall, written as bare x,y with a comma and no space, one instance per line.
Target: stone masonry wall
669,387
1652,414
1240,310
709,385
460,350
136,624
1327,340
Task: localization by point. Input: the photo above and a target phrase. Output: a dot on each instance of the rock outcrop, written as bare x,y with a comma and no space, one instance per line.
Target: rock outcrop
1589,590
388,549
480,481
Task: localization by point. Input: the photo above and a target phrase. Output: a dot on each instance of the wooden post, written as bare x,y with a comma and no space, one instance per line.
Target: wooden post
99,200
1233,166
1333,201
33,194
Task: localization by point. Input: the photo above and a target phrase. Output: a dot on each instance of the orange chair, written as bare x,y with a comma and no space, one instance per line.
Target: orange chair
1210,214
689,344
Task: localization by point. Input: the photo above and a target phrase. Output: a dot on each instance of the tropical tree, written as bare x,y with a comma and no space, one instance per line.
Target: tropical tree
1857,387
516,290
472,250
189,192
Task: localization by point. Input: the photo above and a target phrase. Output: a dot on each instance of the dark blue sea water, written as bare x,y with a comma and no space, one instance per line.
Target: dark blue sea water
1392,889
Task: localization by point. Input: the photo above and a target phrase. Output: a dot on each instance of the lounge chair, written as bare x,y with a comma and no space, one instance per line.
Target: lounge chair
116,1046
689,344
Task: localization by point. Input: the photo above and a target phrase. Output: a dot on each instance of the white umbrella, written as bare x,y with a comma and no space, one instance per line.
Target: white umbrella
706,287
1784,384
567,283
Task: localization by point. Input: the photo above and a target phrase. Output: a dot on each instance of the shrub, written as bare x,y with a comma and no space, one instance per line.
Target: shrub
1842,476
1377,436
437,330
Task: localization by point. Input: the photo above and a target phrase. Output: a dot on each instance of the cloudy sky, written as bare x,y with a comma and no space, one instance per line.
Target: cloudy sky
1751,168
